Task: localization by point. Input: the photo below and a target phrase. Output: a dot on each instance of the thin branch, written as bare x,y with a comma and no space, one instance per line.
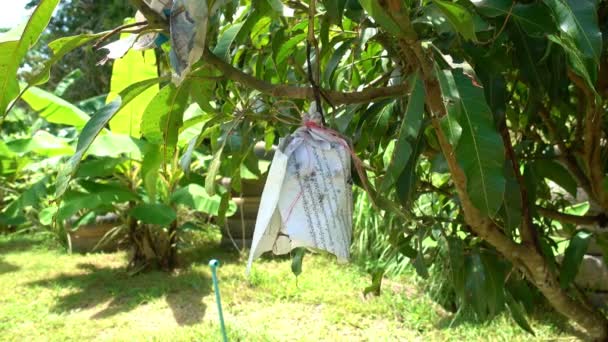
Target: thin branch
296,92
601,219
565,156
116,30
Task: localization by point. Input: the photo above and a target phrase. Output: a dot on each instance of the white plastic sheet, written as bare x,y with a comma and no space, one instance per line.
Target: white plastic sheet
307,199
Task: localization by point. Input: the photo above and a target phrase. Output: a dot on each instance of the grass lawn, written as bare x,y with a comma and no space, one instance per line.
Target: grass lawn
48,295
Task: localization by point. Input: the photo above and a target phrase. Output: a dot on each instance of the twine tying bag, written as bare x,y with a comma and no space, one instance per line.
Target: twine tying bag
307,199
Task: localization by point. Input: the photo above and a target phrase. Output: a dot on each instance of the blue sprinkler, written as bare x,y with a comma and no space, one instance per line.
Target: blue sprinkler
214,264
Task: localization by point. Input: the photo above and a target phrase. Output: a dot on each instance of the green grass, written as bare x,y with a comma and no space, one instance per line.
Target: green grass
48,295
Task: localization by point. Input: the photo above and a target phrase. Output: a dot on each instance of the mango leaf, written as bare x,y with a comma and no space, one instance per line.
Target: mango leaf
535,18
214,168
60,47
288,48
577,19
160,214
133,67
163,117
459,17
335,10
14,45
457,272
480,151
222,48
92,129
420,266
296,261
557,173
381,17
494,285
55,109
511,210
576,60
150,170
449,123
492,8
573,257
335,59
530,54
475,280
196,197
518,312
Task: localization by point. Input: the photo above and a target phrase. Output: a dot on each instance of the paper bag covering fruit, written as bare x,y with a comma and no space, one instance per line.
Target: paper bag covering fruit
307,199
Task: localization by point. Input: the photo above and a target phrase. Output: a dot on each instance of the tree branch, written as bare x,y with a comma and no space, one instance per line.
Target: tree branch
297,92
591,138
601,219
153,18
566,156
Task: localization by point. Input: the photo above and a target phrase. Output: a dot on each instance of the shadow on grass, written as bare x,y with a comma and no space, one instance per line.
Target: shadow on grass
95,286
6,267
542,314
19,243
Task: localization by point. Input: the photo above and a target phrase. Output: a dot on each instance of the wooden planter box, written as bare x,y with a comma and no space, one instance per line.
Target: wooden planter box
86,237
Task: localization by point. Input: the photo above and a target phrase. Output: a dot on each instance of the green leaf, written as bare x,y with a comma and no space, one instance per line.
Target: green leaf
577,20
288,48
61,47
335,10
92,129
381,17
529,55
457,270
55,109
475,280
134,66
335,59
511,210
557,173
14,45
518,312
88,134
160,214
494,285
573,257
214,168
222,48
101,167
492,8
196,197
296,261
278,6
460,18
449,123
150,170
420,266
535,18
163,117
480,151
578,63
116,145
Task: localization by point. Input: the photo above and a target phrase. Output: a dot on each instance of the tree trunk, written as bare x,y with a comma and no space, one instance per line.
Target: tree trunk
526,257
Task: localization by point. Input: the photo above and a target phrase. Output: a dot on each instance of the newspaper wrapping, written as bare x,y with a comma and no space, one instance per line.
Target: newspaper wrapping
307,198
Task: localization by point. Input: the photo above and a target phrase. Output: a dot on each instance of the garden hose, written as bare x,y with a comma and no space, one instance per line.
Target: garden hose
214,263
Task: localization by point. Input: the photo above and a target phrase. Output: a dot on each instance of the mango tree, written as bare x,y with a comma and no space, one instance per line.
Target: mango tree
463,111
